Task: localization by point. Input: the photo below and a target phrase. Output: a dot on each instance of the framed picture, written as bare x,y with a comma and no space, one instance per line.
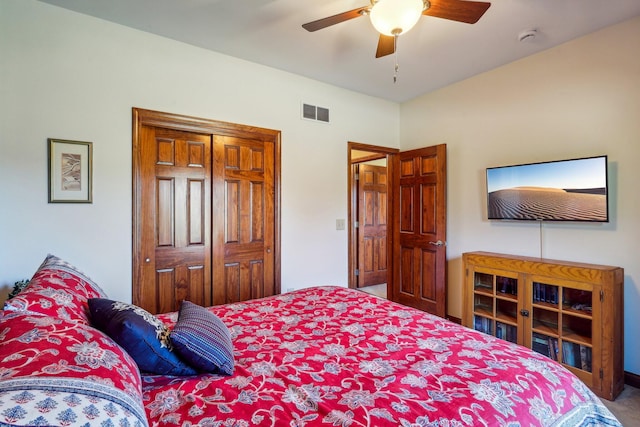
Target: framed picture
70,171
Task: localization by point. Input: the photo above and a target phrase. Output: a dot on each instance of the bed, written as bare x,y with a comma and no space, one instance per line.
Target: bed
339,357
327,356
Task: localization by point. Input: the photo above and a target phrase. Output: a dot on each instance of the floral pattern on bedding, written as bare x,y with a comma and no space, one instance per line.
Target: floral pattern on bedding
57,372
338,357
57,289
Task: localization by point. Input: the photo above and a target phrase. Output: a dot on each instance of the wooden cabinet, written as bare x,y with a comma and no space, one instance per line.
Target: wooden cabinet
570,312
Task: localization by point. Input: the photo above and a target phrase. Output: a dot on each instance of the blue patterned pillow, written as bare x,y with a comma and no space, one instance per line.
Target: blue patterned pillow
140,333
203,340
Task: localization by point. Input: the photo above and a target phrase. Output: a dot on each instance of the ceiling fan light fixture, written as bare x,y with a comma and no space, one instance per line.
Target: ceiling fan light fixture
395,17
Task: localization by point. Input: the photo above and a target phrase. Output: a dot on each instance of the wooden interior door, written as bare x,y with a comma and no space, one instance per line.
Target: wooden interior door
357,154
372,224
175,219
420,243
416,224
206,218
243,183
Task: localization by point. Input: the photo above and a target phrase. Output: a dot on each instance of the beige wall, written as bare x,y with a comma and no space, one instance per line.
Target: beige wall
69,76
577,100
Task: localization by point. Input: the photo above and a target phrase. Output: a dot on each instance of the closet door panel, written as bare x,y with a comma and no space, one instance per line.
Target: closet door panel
175,250
246,264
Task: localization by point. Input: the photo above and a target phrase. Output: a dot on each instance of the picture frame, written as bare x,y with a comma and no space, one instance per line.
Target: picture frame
70,171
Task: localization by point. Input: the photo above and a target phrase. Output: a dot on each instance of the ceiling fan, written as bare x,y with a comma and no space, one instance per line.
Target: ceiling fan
394,17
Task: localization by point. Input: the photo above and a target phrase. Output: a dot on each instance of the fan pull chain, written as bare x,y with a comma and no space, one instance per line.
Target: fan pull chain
395,54
395,71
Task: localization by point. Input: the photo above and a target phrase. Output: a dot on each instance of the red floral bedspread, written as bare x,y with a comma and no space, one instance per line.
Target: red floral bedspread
339,357
57,372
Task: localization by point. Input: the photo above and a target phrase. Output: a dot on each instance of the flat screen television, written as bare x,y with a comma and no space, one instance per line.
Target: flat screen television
561,190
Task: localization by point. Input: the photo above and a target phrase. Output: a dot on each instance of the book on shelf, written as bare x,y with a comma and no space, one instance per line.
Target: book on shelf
545,293
506,332
482,324
569,356
503,331
585,358
547,346
507,285
553,348
541,345
504,286
567,353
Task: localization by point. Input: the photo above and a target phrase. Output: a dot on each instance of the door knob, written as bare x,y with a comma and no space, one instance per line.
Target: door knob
147,260
438,243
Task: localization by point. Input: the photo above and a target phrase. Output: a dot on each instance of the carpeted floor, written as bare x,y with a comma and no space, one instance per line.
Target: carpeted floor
377,290
626,407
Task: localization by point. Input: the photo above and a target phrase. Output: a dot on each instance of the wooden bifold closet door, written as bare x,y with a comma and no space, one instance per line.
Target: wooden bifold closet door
244,216
205,211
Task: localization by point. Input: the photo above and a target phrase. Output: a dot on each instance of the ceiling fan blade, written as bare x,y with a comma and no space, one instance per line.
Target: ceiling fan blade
458,10
335,19
386,46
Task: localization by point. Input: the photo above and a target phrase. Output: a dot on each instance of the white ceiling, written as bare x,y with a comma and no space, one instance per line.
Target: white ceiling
434,54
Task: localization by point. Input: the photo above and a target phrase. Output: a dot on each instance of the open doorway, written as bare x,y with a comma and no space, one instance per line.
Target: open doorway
370,229
415,244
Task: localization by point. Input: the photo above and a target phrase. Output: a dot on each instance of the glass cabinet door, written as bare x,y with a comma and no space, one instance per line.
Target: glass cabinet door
495,304
577,328
561,323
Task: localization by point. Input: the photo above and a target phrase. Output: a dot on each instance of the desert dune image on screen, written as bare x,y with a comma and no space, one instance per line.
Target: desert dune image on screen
571,190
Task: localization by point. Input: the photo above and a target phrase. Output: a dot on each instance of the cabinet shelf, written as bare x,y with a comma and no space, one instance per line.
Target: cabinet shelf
545,329
483,291
512,320
482,312
577,338
577,313
566,311
546,306
507,297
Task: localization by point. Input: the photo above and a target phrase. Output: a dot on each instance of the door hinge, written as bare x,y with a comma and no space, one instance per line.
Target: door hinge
356,224
601,295
356,176
601,373
357,272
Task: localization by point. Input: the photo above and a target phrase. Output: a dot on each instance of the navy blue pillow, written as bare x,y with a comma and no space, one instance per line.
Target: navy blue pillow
203,340
140,333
